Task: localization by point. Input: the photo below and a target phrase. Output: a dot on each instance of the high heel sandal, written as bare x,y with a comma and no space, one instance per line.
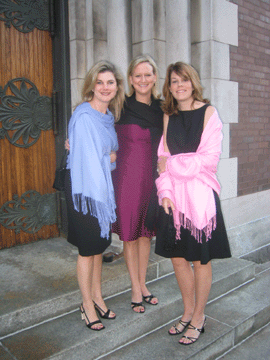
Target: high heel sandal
102,313
191,338
177,331
134,305
87,322
148,299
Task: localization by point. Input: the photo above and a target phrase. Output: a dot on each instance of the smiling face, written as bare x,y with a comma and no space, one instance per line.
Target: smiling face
105,87
181,89
143,80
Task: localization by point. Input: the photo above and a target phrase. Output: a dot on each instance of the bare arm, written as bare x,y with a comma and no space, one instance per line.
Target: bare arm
208,113
67,147
161,165
113,156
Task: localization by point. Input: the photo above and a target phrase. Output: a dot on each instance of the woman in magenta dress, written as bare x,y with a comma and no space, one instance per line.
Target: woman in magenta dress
139,130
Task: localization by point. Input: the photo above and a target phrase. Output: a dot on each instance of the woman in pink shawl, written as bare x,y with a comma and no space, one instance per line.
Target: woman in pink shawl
191,226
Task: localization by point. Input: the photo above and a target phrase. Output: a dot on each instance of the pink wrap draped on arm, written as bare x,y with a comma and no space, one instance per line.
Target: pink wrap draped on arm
189,181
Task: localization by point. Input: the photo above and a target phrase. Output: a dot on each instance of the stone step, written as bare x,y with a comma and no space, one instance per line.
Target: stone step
66,337
254,347
39,281
230,320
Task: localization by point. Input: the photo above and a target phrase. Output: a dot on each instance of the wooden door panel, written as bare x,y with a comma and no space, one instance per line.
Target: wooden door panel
28,56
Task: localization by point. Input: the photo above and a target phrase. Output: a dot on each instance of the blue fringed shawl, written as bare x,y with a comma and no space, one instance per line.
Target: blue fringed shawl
92,137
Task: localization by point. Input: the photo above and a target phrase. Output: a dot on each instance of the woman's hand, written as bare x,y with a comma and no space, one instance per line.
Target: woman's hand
67,147
113,156
167,203
161,164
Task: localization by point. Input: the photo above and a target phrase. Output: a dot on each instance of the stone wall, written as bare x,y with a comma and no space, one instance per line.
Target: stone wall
250,67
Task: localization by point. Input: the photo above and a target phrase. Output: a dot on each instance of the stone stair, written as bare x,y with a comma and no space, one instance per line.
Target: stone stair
40,319
230,319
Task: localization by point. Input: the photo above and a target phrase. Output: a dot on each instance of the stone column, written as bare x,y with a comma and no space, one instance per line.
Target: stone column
214,27
88,40
99,21
119,31
77,33
178,46
148,30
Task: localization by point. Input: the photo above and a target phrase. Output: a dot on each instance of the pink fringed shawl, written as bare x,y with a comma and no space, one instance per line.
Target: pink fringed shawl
189,180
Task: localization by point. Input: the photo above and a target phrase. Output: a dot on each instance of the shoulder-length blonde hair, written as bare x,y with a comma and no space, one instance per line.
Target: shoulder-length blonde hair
102,66
136,61
187,72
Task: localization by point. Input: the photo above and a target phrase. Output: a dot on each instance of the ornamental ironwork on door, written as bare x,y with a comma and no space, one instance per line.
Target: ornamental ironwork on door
24,114
25,15
28,204
29,213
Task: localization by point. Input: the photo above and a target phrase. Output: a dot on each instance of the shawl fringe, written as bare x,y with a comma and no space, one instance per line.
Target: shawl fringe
197,233
96,209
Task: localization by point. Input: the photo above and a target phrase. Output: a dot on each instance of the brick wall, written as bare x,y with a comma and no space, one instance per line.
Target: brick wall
250,67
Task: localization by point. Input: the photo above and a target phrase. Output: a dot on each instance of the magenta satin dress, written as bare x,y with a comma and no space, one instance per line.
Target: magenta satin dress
132,181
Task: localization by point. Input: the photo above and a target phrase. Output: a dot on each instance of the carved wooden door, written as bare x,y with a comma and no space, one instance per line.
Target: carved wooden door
27,145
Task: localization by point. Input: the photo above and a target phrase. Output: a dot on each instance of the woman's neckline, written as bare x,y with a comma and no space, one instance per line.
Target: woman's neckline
149,103
193,109
100,112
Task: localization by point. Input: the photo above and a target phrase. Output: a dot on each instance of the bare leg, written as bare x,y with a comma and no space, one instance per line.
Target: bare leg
144,246
96,284
203,282
132,262
85,266
186,282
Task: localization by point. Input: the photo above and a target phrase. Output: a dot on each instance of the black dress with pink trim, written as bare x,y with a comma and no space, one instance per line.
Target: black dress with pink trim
183,136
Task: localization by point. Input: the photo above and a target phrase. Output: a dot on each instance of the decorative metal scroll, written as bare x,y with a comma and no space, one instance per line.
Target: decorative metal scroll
25,15
30,212
24,114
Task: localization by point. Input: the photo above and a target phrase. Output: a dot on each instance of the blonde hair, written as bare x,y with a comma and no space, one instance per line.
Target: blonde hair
136,61
187,72
102,66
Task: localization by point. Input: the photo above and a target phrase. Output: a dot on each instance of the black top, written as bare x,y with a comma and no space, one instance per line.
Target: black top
135,112
184,130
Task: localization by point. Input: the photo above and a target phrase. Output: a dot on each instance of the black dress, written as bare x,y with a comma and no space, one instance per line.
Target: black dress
83,230
183,136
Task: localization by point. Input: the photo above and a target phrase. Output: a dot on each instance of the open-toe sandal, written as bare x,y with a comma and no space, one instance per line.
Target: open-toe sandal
192,339
135,305
103,314
87,321
177,331
148,299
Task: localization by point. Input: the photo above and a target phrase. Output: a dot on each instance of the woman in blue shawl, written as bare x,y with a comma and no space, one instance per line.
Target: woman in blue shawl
89,189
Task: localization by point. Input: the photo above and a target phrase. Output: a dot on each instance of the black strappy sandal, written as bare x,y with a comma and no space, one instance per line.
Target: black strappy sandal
87,321
191,338
177,331
148,299
135,305
103,314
